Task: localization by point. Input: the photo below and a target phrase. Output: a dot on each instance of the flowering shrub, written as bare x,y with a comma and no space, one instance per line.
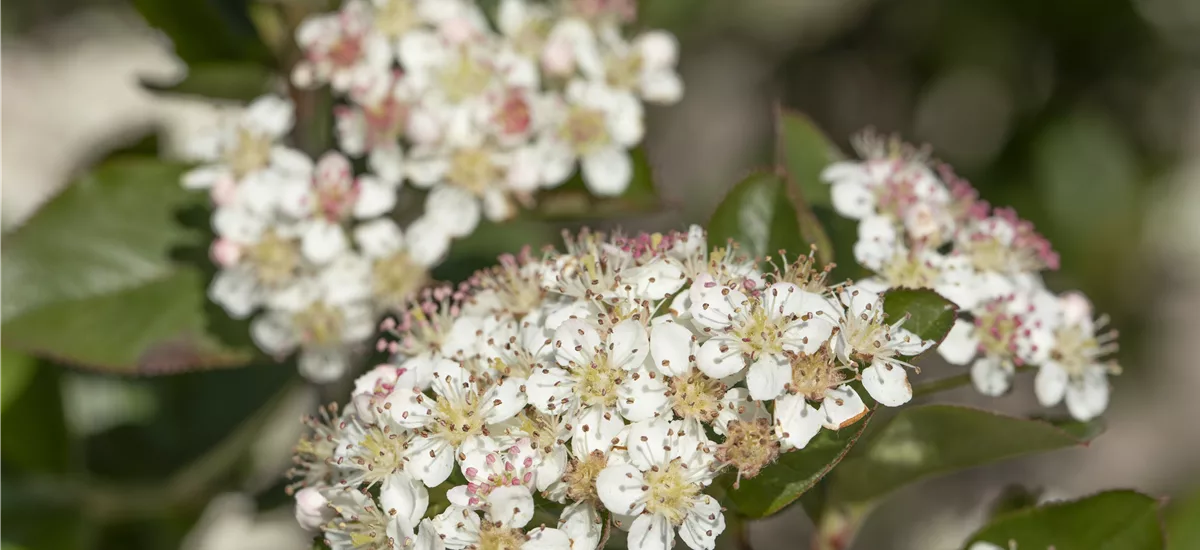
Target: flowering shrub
619,389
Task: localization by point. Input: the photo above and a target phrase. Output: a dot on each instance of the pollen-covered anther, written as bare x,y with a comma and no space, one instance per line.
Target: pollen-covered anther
749,446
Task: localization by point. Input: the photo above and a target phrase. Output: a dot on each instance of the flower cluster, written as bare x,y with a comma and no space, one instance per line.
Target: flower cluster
488,116
921,226
431,94
612,381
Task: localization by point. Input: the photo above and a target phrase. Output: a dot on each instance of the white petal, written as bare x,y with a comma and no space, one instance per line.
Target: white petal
457,210
607,172
431,460
960,344
768,376
628,345
672,346
646,440
651,532
558,163
842,407
720,364
323,365
595,429
643,398
511,505
626,120
506,399
426,241
237,291
852,200
703,524
546,538
991,376
581,522
379,238
274,333
323,242
405,496
387,161
1088,398
620,488
269,115
1050,385
548,388
662,87
888,384
575,343
796,422
658,49
375,198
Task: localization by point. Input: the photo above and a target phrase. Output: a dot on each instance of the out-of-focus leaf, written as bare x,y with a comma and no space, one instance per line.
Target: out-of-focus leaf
16,371
206,30
89,279
573,201
235,81
33,428
758,216
1012,499
930,316
802,153
926,441
1183,522
805,152
781,483
1113,520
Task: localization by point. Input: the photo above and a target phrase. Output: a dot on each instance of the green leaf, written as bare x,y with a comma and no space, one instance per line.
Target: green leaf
758,216
930,316
805,152
781,483
1183,522
926,441
90,280
206,30
16,371
573,201
482,248
1113,520
33,429
236,81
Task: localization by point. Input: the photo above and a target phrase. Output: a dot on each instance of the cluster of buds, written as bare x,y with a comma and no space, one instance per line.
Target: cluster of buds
431,94
616,378
921,226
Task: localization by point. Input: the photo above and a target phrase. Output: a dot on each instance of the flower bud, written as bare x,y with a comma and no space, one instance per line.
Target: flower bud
312,509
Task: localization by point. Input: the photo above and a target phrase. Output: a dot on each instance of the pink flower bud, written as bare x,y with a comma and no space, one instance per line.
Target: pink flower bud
225,252
312,509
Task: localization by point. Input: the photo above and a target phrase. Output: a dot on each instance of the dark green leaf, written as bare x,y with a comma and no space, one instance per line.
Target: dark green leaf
573,201
1014,498
89,279
805,152
206,30
236,81
1183,522
16,371
1114,520
926,441
758,216
33,429
930,316
780,484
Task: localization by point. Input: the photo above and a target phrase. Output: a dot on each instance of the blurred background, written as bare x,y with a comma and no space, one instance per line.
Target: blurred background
1085,116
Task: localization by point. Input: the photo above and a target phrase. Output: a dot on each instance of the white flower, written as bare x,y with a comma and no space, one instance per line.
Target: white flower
243,145
818,378
1073,368
646,66
399,260
662,485
601,378
1006,332
865,335
455,420
758,330
337,46
500,482
312,509
595,125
